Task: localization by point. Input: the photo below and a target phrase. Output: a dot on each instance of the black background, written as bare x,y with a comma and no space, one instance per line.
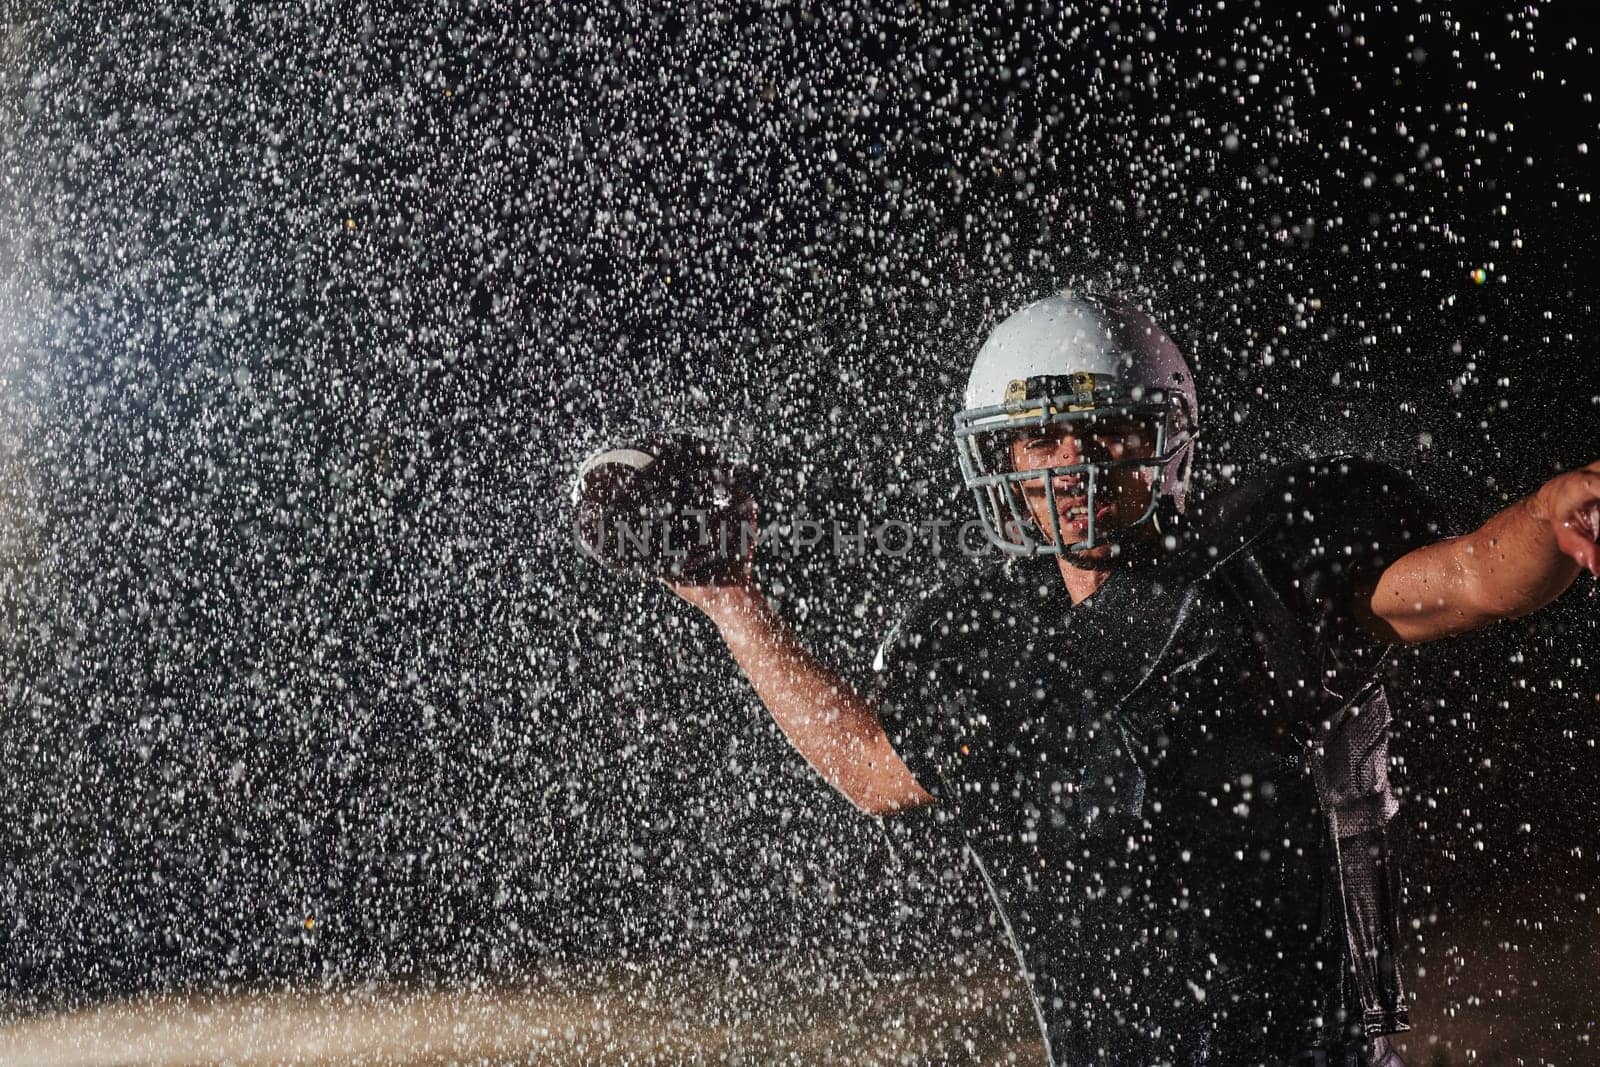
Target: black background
311,312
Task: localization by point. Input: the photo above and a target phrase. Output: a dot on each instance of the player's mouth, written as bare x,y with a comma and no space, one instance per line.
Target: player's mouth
1074,512
1077,515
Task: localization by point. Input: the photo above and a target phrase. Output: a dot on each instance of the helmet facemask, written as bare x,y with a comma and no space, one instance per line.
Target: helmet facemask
983,438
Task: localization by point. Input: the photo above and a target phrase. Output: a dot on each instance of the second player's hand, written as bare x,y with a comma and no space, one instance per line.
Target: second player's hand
1571,504
733,591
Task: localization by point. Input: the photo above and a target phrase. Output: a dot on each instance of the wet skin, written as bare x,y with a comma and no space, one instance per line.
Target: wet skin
1121,498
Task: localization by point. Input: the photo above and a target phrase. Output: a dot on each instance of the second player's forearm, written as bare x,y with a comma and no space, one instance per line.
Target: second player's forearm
831,725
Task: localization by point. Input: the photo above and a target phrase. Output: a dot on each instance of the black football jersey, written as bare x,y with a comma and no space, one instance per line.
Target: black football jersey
1177,790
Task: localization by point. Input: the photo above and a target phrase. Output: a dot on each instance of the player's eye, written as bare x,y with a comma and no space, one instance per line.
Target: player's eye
1126,434
1044,443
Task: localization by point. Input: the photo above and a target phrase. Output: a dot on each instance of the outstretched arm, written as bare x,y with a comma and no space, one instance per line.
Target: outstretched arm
824,718
1520,560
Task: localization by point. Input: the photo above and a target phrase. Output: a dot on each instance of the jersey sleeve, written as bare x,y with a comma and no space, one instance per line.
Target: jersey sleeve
906,688
1330,529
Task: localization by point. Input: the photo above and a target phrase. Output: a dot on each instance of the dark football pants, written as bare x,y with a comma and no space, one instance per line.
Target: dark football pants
1378,1053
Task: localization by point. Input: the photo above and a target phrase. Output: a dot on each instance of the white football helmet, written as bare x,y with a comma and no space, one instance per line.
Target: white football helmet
1073,357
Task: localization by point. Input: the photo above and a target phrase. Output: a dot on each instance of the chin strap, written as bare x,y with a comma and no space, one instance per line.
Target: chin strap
1167,516
1166,519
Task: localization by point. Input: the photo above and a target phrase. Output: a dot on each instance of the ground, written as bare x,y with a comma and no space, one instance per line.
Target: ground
1484,999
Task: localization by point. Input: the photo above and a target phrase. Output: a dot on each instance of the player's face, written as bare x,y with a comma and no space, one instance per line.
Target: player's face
1121,494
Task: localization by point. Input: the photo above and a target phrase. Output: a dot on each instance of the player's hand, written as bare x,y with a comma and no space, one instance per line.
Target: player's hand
1571,503
734,587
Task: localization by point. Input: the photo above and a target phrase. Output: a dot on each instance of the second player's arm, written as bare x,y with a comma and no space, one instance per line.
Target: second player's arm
1520,560
825,719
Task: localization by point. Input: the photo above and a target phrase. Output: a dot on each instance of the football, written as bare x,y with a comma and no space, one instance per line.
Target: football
664,507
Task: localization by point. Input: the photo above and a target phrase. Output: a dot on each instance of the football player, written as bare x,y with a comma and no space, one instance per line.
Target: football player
1157,725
